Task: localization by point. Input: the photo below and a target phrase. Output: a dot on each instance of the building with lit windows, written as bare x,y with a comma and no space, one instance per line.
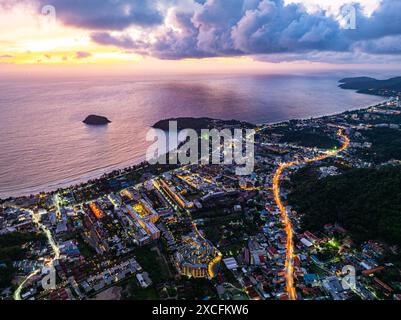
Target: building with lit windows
197,258
148,226
98,213
174,194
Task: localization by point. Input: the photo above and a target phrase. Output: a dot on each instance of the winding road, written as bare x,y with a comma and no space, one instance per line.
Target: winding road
54,246
289,261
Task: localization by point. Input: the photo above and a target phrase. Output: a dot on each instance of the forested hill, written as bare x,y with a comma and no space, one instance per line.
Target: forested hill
389,87
366,202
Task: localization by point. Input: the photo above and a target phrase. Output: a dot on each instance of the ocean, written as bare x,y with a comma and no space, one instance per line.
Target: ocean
44,145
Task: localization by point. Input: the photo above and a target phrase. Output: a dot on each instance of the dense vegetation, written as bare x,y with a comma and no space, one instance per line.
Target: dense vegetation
7,272
153,263
386,144
310,139
307,137
368,85
200,123
11,244
366,202
11,249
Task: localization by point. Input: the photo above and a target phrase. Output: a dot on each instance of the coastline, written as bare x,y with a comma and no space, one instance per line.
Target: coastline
100,173
71,181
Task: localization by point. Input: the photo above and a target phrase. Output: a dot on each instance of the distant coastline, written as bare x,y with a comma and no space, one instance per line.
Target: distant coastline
366,85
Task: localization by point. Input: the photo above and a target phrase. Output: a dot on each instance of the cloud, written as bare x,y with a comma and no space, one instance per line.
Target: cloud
241,27
385,46
182,41
106,14
273,27
122,41
385,21
265,29
82,55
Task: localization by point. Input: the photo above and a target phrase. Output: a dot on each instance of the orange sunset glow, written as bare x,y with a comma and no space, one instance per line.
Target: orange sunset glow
32,34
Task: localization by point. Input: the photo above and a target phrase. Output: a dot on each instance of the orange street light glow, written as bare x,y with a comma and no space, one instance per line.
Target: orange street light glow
289,263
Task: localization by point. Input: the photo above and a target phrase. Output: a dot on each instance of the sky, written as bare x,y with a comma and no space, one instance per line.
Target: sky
200,35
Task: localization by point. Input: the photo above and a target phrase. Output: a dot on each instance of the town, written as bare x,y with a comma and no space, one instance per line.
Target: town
203,232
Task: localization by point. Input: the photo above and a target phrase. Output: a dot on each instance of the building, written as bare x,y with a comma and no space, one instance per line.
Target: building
98,213
231,263
197,258
149,227
172,192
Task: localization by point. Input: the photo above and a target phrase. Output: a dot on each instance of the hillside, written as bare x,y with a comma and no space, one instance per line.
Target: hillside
389,87
200,123
366,202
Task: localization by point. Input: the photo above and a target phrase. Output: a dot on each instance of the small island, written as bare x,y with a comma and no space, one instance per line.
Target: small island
94,120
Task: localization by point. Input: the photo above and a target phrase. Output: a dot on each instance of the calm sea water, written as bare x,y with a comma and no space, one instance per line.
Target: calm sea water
44,144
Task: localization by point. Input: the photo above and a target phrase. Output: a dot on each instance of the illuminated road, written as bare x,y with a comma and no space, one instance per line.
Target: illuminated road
54,246
289,261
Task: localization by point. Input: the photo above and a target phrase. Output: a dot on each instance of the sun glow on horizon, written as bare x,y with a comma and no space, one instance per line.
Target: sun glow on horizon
30,38
30,41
